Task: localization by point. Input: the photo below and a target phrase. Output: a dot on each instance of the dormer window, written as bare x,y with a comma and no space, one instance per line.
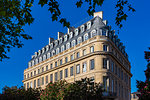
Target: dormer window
44,57
62,48
39,52
60,40
29,64
76,31
56,43
70,35
104,33
36,61
57,51
65,38
67,45
47,47
79,40
53,52
89,25
73,43
40,59
32,63
93,33
43,50
48,55
86,37
82,28
51,45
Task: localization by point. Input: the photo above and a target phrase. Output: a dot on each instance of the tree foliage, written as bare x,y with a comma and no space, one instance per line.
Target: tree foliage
15,93
84,89
144,87
14,14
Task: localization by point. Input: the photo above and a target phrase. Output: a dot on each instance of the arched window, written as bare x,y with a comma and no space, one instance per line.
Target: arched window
65,38
40,59
89,25
79,40
43,50
62,48
60,40
36,61
30,64
70,35
44,57
57,51
47,48
93,33
39,52
53,52
56,43
48,55
86,37
73,43
82,28
76,32
51,45
67,45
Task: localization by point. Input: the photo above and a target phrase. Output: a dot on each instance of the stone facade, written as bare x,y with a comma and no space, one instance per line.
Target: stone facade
91,50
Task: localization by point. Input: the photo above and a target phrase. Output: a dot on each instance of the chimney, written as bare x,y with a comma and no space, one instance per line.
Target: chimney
60,34
51,40
99,14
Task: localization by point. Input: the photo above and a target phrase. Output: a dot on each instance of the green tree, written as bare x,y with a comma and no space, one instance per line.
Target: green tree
144,87
14,93
83,89
14,14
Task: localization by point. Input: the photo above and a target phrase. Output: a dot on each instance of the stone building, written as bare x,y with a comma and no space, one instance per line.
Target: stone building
91,50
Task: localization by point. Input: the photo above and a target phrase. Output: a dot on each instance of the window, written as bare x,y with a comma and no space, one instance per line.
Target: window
42,80
48,55
104,32
40,59
38,71
46,68
42,69
39,82
27,85
66,72
61,74
84,52
112,66
56,76
28,75
84,67
31,84
71,71
51,66
65,38
34,72
72,57
105,47
47,47
51,45
76,32
61,62
112,85
92,64
86,37
62,48
79,40
66,60
92,49
67,45
88,25
60,40
57,51
56,43
56,64
122,75
105,63
73,43
36,61
70,35
53,52
105,83
93,33
116,69
119,71
46,79
34,83
77,69
44,57
78,54
51,78
31,74
116,87
82,28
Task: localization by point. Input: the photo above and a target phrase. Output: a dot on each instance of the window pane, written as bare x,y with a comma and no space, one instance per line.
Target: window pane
61,74
92,49
105,47
78,54
71,71
42,80
78,69
56,76
84,67
34,83
66,72
47,79
92,64
51,78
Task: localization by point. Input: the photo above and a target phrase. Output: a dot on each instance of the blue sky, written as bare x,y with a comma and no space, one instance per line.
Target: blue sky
135,35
